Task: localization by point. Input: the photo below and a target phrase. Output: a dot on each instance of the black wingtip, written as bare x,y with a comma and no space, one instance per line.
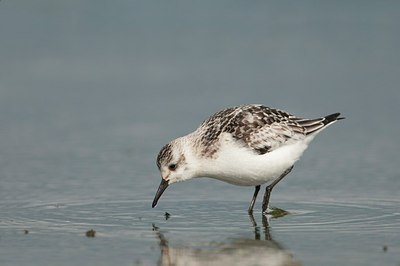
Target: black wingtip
331,118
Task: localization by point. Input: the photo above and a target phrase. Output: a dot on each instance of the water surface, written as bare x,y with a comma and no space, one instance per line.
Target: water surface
200,232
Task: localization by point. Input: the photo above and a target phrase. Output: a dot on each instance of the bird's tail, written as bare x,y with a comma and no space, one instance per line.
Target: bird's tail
332,118
314,125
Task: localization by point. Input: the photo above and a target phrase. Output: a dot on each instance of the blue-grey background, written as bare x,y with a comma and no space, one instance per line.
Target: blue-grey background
91,90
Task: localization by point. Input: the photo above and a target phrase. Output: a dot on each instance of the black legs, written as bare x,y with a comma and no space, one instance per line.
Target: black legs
268,191
250,210
269,188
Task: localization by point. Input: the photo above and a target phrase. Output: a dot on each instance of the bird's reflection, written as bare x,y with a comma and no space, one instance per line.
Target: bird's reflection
244,251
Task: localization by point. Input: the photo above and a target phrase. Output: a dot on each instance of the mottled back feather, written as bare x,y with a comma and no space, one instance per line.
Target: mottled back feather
261,128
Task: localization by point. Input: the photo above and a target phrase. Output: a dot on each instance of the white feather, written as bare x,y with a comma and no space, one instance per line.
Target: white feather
239,165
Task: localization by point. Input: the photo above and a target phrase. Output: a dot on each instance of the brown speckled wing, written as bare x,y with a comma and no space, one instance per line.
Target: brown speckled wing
261,128
264,129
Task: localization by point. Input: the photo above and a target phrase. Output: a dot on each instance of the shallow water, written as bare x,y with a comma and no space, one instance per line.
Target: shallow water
89,93
200,232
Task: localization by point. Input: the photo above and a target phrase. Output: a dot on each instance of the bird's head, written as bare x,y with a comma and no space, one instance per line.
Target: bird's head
175,164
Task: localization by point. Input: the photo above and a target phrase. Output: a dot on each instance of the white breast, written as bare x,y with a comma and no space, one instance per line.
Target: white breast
241,166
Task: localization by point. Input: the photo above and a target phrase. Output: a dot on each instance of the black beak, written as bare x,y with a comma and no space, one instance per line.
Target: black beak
163,186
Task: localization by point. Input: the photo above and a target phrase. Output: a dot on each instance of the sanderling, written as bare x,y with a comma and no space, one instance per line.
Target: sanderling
247,145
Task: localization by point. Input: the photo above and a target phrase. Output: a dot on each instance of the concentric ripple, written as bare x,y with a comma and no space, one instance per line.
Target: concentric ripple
377,215
197,216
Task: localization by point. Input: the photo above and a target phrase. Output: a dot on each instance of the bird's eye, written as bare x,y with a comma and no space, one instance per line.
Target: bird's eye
172,167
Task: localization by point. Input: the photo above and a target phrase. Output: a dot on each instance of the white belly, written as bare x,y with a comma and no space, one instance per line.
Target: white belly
240,166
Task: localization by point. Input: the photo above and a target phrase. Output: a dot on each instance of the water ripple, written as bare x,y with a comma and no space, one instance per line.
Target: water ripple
130,217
